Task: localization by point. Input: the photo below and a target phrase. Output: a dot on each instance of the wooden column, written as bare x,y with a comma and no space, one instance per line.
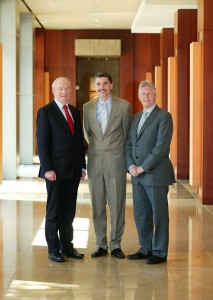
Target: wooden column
205,33
196,107
46,87
185,32
149,76
39,99
1,113
158,85
172,107
166,50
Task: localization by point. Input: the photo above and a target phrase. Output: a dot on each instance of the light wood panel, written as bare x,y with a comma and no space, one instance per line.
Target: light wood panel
149,76
196,108
173,107
46,87
0,113
166,51
158,85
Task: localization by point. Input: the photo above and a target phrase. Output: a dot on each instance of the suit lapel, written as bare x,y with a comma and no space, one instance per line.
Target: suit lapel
93,113
59,116
113,111
149,120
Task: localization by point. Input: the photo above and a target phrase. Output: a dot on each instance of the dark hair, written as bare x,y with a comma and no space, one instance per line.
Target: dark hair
104,74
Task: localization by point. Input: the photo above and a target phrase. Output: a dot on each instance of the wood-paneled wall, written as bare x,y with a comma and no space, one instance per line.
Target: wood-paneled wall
166,51
205,33
185,32
146,55
140,53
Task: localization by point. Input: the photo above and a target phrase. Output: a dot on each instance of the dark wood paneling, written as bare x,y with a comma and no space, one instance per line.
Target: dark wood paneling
208,13
166,51
186,27
39,78
60,58
146,56
143,49
185,33
183,113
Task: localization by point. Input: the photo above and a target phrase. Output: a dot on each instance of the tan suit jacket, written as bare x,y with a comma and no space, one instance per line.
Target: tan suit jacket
107,151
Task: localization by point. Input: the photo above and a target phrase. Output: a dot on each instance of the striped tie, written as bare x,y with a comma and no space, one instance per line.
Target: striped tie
142,121
103,117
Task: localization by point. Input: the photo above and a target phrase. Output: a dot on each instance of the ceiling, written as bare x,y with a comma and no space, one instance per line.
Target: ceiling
139,16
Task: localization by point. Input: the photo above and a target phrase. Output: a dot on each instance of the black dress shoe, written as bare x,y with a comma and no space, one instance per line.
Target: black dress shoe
72,252
56,256
118,253
99,252
138,255
154,259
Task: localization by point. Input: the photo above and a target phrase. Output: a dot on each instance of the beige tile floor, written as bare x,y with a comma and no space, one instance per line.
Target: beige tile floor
26,273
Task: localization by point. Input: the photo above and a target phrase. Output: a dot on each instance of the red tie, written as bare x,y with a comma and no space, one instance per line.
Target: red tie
69,119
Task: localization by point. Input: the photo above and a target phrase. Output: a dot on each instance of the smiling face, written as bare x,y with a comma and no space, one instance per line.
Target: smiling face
147,96
62,90
103,87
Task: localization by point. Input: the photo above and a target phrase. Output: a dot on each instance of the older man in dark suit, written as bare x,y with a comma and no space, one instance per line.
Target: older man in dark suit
62,158
147,158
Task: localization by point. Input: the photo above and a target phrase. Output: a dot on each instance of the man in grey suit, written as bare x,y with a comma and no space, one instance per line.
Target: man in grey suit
106,125
147,159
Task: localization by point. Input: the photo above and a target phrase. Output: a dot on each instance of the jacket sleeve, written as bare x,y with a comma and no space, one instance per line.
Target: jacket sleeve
43,135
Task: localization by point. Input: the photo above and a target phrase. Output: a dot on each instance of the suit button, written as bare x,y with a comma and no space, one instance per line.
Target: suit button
136,157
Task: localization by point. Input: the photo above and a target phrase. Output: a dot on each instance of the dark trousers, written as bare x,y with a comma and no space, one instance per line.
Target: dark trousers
60,212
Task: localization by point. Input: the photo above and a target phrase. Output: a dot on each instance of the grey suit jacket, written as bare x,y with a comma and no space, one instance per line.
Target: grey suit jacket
150,149
107,151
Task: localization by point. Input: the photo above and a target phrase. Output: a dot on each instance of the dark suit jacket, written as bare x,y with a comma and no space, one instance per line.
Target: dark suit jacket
150,149
58,149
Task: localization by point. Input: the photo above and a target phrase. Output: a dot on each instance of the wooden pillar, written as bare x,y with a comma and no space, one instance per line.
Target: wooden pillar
166,51
158,85
149,76
185,32
46,87
39,99
205,34
196,121
172,107
1,114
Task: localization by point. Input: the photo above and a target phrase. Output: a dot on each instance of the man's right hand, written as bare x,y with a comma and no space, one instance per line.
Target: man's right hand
50,175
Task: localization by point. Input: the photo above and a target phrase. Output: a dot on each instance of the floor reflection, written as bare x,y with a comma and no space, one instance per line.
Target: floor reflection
26,273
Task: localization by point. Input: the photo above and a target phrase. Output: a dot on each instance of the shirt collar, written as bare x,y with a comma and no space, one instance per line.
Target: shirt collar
60,105
109,101
150,109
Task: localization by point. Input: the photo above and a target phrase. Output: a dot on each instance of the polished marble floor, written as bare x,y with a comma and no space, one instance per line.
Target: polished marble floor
26,273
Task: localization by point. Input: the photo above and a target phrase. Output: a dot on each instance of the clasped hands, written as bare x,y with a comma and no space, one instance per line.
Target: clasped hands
51,175
135,170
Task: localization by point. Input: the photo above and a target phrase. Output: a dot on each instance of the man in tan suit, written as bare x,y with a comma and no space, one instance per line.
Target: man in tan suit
106,125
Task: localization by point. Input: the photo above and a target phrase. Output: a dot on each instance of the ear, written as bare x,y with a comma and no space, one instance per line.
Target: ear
111,86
